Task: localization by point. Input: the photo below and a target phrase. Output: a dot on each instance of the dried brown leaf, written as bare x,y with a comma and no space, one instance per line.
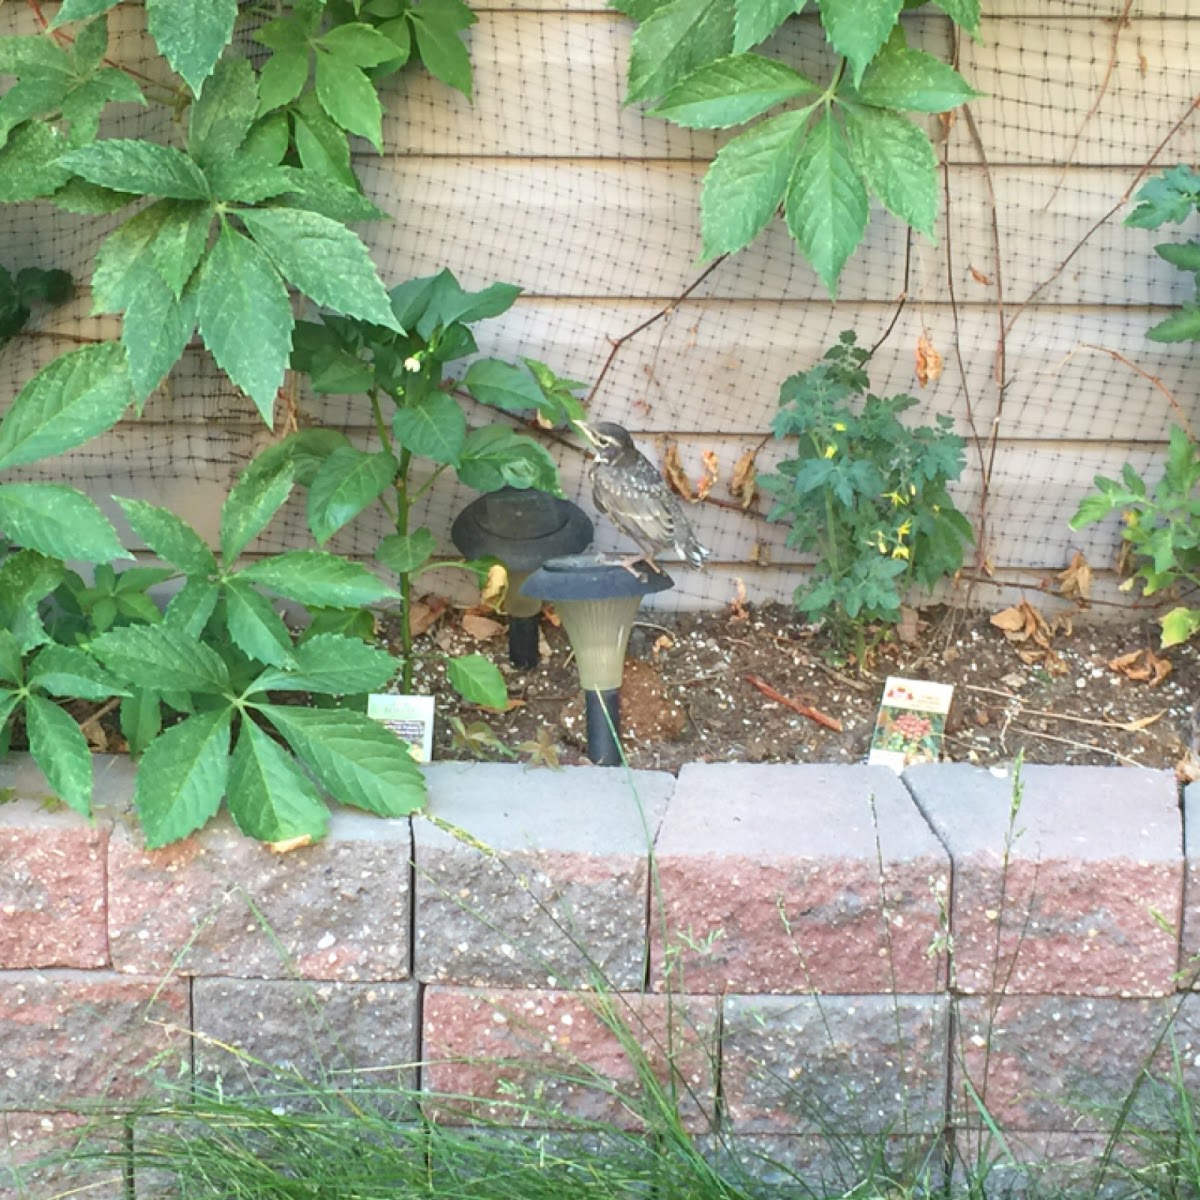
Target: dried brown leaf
423,614
980,277
712,472
737,606
760,554
1187,769
674,473
929,361
542,750
480,627
743,484
97,737
1142,666
664,641
1011,620
1075,583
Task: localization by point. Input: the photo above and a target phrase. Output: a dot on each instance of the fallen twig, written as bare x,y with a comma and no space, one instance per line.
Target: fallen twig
805,710
1134,726
1049,737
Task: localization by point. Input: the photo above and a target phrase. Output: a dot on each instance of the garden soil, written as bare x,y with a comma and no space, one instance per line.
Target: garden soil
757,685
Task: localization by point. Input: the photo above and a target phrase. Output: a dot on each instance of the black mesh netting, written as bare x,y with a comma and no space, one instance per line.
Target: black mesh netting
1037,296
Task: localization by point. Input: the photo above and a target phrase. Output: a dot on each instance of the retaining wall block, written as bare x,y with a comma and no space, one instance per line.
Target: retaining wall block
218,903
793,879
1094,872
1059,1063
542,879
808,1165
52,888
554,1051
42,1154
1034,1165
87,1035
845,1065
1189,950
359,1038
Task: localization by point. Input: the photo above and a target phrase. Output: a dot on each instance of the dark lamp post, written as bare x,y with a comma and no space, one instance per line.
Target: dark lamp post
522,528
597,603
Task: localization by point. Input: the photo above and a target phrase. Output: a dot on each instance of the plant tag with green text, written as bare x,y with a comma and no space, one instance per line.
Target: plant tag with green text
410,718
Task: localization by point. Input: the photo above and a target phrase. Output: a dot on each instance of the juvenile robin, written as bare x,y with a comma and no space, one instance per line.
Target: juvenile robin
630,491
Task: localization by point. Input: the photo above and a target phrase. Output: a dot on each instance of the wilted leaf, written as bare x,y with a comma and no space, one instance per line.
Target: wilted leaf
737,606
477,739
929,361
479,626
423,614
289,844
1142,666
495,588
1187,769
675,475
542,750
1075,583
760,553
1011,620
980,277
743,485
712,472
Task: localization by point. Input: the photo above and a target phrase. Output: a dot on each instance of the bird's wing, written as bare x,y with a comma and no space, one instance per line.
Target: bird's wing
642,508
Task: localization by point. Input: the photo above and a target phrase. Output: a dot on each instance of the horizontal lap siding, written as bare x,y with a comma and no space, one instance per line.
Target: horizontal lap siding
547,181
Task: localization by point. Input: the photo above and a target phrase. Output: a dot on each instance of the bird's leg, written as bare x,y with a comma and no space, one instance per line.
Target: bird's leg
631,562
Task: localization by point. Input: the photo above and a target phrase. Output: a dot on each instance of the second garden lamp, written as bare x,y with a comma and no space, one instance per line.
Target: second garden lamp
522,528
597,603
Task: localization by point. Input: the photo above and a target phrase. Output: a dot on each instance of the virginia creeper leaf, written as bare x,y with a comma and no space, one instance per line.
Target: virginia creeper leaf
75,398
826,204
182,778
245,317
747,181
325,260
60,749
57,521
270,798
191,34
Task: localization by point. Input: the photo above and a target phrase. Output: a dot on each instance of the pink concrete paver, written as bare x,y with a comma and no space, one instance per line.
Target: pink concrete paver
52,888
554,1049
792,879
218,903
87,1035
1078,891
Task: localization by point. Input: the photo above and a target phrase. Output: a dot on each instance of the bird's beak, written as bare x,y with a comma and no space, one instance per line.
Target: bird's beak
587,434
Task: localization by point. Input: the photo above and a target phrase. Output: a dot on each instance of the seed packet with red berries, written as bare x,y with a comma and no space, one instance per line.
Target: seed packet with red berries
910,724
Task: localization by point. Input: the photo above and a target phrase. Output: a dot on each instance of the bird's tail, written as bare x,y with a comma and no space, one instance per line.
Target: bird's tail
693,553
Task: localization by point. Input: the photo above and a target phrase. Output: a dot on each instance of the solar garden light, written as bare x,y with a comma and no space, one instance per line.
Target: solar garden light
522,528
597,603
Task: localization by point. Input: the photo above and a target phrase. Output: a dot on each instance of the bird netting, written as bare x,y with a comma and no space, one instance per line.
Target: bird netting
1036,298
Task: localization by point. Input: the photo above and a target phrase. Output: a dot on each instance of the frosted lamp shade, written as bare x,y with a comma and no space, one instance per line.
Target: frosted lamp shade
599,632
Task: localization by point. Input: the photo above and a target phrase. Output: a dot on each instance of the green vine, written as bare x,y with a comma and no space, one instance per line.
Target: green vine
831,148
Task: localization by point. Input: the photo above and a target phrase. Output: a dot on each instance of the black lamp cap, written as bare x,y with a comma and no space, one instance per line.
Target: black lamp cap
520,526
581,577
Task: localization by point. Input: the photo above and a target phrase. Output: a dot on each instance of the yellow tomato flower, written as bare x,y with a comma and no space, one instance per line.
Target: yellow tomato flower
830,451
900,552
